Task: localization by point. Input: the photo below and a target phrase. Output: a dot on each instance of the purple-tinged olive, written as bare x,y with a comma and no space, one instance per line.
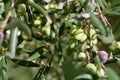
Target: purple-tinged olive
103,56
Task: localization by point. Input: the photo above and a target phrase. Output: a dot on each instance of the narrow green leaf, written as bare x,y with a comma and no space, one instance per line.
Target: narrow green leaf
13,41
87,3
97,62
34,56
7,6
112,75
100,2
23,26
96,22
14,23
116,32
26,17
106,39
83,77
25,50
25,63
40,9
114,13
4,69
118,62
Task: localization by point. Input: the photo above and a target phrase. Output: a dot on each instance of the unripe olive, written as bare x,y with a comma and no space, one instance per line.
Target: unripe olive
91,68
81,56
1,36
101,73
103,56
94,41
73,44
21,9
37,33
80,35
93,34
53,6
37,22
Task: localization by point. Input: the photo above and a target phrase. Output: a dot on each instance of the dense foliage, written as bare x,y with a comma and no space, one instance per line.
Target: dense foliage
60,39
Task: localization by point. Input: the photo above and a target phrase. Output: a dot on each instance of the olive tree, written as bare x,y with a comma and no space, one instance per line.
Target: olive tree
45,35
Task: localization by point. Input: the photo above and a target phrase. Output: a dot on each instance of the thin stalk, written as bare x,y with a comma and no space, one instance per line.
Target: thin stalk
90,39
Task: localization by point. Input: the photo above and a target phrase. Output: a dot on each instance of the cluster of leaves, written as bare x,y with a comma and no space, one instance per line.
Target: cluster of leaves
43,34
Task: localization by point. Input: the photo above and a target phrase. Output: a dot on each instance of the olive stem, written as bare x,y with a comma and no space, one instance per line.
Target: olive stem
90,38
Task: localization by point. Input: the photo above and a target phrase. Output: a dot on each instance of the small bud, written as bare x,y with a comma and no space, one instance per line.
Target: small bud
1,36
103,56
91,68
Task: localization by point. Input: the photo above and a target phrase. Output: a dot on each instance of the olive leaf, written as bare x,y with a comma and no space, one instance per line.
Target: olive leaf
96,22
112,75
23,26
25,63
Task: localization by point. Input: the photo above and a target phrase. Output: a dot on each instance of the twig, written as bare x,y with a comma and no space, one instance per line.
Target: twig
5,21
101,15
7,18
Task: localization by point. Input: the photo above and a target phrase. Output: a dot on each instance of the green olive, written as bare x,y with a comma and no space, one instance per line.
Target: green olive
21,9
73,44
81,56
94,41
80,35
101,73
37,34
91,68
